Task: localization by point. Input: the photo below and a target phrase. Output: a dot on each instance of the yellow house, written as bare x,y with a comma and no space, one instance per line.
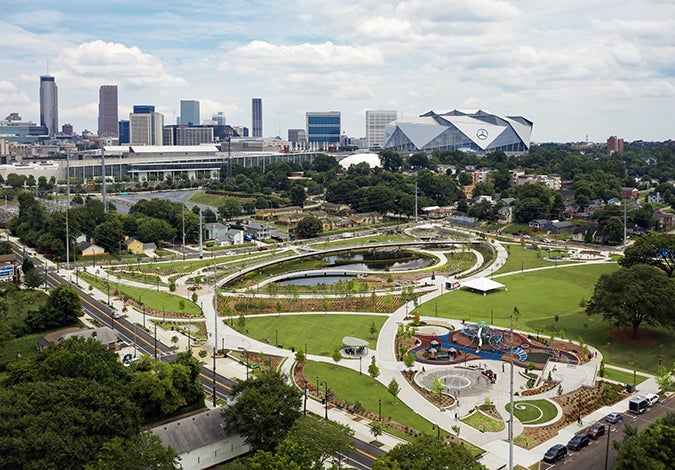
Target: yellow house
134,246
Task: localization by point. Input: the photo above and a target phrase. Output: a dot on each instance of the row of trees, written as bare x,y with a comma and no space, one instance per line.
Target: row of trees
75,405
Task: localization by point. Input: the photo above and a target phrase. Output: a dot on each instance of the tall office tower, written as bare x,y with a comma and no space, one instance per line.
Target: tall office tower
49,104
189,113
145,126
323,127
107,111
123,132
375,122
256,123
219,118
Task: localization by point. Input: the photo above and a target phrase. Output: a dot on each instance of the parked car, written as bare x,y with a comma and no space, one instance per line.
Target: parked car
578,442
596,431
652,398
614,418
555,453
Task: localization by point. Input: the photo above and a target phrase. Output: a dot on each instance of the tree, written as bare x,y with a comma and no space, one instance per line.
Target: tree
612,231
373,370
394,388
229,207
300,356
376,429
656,250
64,307
297,195
321,439
308,227
633,295
426,453
409,360
390,160
650,449
438,388
139,452
337,355
665,379
33,279
264,410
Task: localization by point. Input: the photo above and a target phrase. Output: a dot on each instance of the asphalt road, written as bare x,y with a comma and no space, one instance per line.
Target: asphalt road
361,457
592,457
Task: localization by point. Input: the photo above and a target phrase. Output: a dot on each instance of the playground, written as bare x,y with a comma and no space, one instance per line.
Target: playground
481,341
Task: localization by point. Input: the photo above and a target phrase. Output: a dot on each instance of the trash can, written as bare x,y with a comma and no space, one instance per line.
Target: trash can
630,388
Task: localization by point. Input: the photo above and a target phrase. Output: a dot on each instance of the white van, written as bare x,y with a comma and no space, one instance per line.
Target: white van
652,398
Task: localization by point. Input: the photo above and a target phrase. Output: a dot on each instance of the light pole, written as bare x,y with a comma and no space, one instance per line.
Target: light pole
155,337
107,287
305,408
326,408
379,404
317,387
276,338
360,357
438,432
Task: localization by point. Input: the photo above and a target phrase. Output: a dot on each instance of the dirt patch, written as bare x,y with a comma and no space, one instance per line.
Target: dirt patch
625,335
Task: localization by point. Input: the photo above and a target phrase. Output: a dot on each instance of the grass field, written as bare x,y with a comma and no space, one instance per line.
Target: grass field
360,241
483,422
521,258
623,376
534,411
24,345
321,333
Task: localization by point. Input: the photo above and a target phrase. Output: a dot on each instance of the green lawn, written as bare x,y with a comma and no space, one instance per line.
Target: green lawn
623,376
321,333
360,241
352,387
24,345
521,258
483,422
152,298
533,411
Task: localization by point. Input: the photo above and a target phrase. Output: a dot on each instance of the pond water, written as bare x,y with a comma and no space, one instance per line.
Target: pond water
314,280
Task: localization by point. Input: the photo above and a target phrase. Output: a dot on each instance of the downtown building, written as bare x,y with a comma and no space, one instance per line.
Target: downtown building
256,117
49,104
145,126
375,122
107,111
189,113
476,131
323,127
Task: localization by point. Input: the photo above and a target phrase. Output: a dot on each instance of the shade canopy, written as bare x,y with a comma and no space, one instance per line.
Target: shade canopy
482,284
354,342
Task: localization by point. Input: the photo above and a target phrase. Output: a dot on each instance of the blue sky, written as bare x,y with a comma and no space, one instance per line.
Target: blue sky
573,67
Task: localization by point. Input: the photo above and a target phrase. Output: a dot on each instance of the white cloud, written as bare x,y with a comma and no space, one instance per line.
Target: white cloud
12,96
98,62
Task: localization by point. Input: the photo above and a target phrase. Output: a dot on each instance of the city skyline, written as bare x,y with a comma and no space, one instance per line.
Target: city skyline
575,69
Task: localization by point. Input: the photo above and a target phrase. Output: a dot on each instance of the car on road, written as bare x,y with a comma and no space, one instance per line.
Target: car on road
652,398
555,453
596,430
116,315
614,418
578,442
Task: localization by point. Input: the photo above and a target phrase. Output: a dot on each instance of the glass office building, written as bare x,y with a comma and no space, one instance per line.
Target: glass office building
323,127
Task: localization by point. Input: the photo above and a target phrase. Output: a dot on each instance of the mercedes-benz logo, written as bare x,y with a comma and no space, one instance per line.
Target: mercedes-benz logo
482,133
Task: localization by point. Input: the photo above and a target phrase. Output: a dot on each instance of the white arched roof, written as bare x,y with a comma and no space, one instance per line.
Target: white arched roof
372,159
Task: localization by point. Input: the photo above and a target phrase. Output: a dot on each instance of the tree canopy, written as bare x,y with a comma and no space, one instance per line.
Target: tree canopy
264,410
634,295
308,227
651,449
655,249
426,453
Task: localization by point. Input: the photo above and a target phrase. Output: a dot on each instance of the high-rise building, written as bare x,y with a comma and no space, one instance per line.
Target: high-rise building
189,113
297,135
256,114
614,145
145,126
323,127
67,129
123,132
375,122
49,104
219,118
107,111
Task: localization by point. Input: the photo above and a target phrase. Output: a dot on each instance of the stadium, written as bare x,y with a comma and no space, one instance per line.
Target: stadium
476,131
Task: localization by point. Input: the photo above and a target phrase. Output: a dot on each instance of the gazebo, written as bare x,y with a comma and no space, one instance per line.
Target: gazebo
482,284
354,346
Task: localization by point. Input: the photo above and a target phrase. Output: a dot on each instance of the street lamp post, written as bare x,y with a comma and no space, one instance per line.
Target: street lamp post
379,404
107,287
326,408
360,357
317,387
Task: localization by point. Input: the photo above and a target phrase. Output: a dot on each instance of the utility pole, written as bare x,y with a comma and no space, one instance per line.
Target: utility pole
103,188
67,209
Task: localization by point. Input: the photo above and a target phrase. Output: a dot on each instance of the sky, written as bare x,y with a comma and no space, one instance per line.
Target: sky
578,69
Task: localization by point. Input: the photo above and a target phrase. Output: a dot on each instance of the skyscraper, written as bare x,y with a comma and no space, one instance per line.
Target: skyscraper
219,118
375,122
256,123
107,111
145,126
323,127
49,104
189,113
